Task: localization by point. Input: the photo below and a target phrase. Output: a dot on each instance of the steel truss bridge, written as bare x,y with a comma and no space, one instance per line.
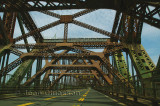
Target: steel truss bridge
76,66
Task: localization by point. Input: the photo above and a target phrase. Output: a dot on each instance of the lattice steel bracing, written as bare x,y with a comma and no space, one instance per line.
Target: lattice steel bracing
68,62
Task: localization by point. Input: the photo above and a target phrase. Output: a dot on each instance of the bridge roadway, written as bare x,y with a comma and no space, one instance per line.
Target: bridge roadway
82,97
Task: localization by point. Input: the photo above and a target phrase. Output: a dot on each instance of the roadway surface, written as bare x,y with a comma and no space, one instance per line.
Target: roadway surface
84,97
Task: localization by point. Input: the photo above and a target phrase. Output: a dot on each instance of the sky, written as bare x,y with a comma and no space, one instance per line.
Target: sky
102,18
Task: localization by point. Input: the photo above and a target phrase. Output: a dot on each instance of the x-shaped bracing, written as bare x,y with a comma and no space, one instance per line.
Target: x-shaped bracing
67,19
94,66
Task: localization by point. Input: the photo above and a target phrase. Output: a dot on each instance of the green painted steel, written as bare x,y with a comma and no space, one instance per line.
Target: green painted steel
158,64
141,60
4,48
29,73
69,40
19,74
156,74
121,64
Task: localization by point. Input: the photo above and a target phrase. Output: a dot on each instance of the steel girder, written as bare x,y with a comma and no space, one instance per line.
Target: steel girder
61,74
3,38
30,25
118,58
4,49
40,72
36,30
9,20
28,5
121,65
68,67
86,53
18,76
156,74
22,30
131,29
46,79
38,67
66,19
39,54
118,33
142,62
130,7
7,27
91,45
77,75
80,40
71,67
158,64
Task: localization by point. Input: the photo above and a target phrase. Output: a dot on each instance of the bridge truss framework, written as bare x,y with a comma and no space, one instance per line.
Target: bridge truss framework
76,66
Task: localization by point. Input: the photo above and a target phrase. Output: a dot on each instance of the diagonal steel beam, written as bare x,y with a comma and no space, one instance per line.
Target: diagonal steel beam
30,25
37,30
61,75
111,69
99,70
19,74
40,72
3,49
9,19
51,14
78,14
112,50
95,29
115,25
94,73
22,30
15,51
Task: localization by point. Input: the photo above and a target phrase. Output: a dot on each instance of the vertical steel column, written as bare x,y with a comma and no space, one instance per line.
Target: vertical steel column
115,25
139,32
154,103
134,83
38,67
4,77
0,62
130,34
127,72
9,19
65,32
66,82
29,73
70,82
1,72
3,36
158,65
137,85
53,76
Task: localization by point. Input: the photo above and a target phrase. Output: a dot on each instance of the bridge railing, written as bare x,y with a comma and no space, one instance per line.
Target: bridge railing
146,88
